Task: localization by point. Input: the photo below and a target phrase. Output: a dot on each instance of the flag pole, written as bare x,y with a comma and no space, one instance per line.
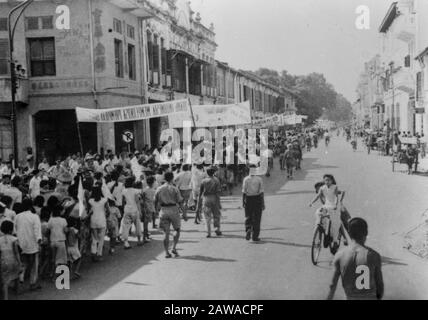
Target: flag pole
80,137
191,112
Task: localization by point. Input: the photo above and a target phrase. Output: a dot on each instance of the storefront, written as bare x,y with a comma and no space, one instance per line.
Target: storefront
57,136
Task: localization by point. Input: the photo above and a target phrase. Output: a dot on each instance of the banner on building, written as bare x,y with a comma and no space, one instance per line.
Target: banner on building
294,119
208,116
133,113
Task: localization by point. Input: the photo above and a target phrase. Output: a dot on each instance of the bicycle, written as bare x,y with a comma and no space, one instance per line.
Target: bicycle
327,141
322,237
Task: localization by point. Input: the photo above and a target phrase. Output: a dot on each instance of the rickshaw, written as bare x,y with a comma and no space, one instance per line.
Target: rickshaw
399,154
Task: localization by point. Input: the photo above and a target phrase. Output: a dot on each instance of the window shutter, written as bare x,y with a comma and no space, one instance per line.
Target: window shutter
4,56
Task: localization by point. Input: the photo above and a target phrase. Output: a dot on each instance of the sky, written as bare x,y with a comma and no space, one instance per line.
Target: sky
300,36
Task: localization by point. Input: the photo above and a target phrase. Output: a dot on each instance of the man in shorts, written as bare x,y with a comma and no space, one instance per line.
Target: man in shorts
359,267
169,199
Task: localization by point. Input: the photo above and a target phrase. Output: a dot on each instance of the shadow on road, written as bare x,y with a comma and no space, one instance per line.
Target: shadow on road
391,261
288,244
296,192
97,278
205,259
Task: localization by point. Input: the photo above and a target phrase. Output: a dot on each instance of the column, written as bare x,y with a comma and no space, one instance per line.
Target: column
106,136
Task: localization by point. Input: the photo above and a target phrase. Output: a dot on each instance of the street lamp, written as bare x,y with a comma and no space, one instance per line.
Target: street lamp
13,75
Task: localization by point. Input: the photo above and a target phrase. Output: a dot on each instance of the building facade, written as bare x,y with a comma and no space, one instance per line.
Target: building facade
116,53
369,109
398,42
421,67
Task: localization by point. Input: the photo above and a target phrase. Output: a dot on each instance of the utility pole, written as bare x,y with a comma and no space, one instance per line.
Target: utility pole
13,76
391,67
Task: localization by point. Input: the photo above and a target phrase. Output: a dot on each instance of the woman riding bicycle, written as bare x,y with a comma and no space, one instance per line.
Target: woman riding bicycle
329,195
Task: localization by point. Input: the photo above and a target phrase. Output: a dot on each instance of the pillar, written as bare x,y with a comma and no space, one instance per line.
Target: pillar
106,136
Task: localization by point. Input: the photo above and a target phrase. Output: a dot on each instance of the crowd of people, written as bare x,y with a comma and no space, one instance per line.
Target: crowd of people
55,215
405,147
289,146
61,214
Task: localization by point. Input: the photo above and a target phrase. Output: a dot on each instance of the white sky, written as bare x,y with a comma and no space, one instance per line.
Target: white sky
300,36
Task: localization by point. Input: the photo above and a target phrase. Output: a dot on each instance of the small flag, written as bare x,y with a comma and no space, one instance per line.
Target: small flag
81,197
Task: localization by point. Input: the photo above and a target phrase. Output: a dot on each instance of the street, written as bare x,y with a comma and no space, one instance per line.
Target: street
279,267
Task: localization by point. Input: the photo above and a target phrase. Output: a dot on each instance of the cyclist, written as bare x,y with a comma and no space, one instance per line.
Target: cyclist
328,194
354,143
308,140
368,142
327,138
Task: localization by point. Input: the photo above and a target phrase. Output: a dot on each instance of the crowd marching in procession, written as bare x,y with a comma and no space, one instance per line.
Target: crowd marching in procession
59,215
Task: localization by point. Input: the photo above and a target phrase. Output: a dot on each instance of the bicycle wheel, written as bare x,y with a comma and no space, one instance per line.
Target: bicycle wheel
316,245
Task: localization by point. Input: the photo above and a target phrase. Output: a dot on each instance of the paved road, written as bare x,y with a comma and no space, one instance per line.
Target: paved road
279,267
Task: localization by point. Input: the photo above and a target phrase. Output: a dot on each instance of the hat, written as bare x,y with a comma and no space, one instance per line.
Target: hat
65,177
137,152
30,157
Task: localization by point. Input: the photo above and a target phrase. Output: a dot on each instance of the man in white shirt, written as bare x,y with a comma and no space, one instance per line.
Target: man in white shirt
254,204
13,191
28,230
6,169
198,174
44,165
183,182
35,184
135,166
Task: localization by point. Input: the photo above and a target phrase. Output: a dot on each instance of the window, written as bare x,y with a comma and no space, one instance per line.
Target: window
32,23
163,56
419,86
42,57
118,58
407,61
155,53
3,24
131,32
4,55
150,50
117,26
47,22
131,62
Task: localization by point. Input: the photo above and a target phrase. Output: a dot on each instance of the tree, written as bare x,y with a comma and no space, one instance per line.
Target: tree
316,97
268,75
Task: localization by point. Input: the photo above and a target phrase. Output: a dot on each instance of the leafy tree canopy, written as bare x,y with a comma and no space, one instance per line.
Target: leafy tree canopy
317,97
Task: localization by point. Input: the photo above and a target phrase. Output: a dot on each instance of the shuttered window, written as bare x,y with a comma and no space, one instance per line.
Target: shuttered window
156,54
150,51
117,25
163,56
32,23
131,31
131,62
47,22
419,86
3,24
42,57
4,56
118,58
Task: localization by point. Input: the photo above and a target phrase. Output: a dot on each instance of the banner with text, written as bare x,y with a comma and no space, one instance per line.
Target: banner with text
133,113
207,116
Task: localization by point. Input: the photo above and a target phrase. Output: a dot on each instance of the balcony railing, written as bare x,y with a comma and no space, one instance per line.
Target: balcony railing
404,81
406,28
